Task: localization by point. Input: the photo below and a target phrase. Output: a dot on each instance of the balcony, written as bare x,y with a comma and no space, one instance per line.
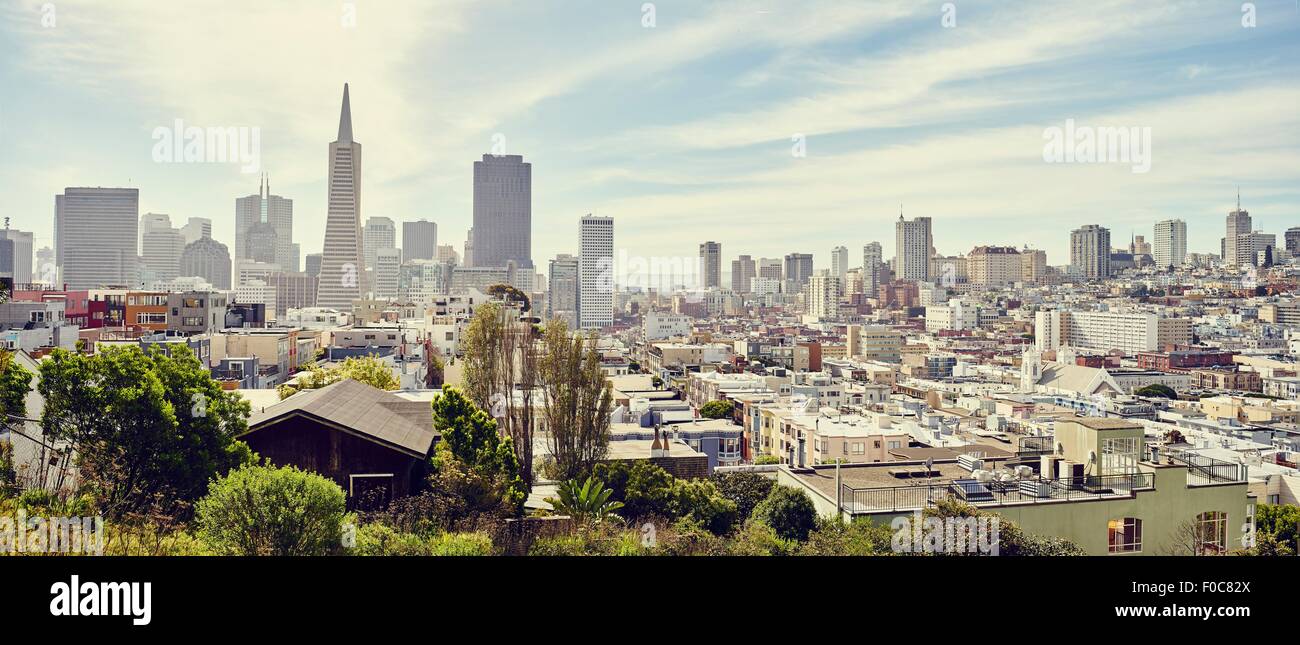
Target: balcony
1033,490
1205,471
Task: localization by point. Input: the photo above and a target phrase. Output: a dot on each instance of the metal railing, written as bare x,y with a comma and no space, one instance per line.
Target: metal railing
1207,470
993,493
1034,446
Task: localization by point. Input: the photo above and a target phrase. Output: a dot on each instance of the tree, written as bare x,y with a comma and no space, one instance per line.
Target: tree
860,537
371,370
501,375
1278,523
588,501
510,294
15,383
789,512
1157,390
148,430
578,401
717,409
263,510
1011,539
474,459
746,489
648,491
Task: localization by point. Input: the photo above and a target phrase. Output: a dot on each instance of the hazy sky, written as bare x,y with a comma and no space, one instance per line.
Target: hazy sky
681,131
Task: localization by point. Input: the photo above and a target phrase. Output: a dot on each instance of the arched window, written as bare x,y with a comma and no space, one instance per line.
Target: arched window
1212,533
1125,535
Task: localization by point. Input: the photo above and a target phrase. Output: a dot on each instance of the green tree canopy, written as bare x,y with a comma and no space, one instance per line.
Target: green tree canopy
1157,390
717,409
371,370
789,512
474,455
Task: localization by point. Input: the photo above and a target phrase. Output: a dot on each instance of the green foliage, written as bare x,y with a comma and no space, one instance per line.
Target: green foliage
647,490
15,383
588,501
699,501
149,429
371,370
656,382
767,460
686,537
789,512
577,398
264,510
1012,540
1157,390
379,539
758,539
8,477
1278,522
473,458
746,489
859,537
717,409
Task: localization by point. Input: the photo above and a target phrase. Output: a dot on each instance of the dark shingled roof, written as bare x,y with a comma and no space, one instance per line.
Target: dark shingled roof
361,409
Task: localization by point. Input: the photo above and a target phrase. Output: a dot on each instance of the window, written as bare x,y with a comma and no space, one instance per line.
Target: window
1211,533
1119,456
1125,535
859,448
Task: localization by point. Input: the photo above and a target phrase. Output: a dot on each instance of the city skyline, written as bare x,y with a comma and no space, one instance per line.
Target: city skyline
971,159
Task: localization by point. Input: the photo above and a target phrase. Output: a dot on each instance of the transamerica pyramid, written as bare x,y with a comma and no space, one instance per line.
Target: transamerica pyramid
342,272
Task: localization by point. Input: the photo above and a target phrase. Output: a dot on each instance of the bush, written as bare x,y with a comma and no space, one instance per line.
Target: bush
699,501
264,510
859,537
599,541
789,512
8,478
745,489
685,537
717,409
647,490
757,538
767,460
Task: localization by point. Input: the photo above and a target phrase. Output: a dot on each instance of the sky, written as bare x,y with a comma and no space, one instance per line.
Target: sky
682,120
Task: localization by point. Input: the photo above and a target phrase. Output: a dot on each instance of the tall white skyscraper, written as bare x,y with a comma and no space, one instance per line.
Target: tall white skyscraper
264,227
342,274
596,272
161,246
1170,243
419,240
913,242
839,263
503,212
711,265
1238,223
822,295
379,233
873,268
1090,251
95,236
562,289
388,265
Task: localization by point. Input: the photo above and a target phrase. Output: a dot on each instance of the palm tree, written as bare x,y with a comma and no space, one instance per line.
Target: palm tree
586,501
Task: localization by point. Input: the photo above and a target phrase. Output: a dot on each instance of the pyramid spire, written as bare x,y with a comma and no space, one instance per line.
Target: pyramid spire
345,117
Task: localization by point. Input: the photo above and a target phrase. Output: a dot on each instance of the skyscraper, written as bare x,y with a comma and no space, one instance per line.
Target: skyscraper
21,263
822,295
743,270
419,240
342,274
95,236
388,264
503,212
798,269
562,289
1238,223
595,272
1170,243
873,268
161,246
313,264
1292,237
379,233
839,263
196,228
711,265
208,259
264,227
913,242
1090,251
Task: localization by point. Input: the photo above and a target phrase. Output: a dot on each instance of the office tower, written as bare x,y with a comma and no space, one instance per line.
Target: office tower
208,259
1254,247
46,269
913,243
596,272
1090,251
743,270
798,269
379,233
839,263
711,265
20,257
990,266
1033,266
419,240
503,212
264,227
562,289
1170,243
161,247
770,268
313,264
873,268
342,270
295,253
388,264
1238,223
1292,237
293,290
195,229
822,295
447,253
95,236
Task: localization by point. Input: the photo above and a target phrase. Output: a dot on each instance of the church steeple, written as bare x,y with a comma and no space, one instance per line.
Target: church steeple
345,118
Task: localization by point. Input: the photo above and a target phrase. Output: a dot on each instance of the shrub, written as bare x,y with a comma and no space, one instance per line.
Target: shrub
685,537
789,512
745,489
859,537
767,460
264,510
699,501
757,538
461,544
717,409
